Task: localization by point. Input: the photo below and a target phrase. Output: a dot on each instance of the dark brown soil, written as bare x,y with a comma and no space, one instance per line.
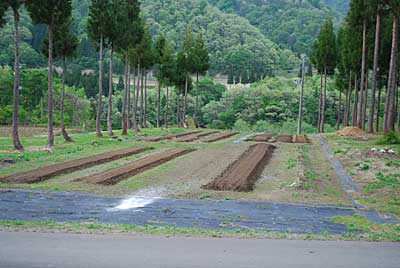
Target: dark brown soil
284,138
262,138
242,174
196,136
169,136
219,137
115,175
47,172
301,139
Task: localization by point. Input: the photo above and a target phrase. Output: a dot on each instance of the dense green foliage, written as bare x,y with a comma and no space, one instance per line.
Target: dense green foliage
271,102
292,24
33,99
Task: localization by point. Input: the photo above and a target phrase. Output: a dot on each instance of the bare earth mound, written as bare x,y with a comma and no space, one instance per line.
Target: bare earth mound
262,138
195,136
115,175
284,138
219,137
351,132
47,172
242,174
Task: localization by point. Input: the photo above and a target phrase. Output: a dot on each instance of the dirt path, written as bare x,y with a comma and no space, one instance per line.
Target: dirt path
115,175
243,173
47,172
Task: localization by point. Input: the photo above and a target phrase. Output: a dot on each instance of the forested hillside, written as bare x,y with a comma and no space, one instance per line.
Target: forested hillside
225,34
291,23
247,30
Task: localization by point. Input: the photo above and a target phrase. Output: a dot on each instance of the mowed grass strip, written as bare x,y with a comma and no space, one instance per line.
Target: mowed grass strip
44,173
115,175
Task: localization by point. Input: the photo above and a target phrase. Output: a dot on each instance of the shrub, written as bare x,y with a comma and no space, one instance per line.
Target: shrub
389,138
241,125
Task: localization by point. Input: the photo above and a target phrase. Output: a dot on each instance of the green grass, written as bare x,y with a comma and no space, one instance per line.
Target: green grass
166,230
372,231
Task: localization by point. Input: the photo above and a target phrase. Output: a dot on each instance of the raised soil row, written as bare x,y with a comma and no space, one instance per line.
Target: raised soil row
293,139
196,136
219,137
115,175
262,137
47,172
169,136
242,174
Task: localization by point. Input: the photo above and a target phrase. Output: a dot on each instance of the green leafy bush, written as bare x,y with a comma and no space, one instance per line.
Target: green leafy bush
389,138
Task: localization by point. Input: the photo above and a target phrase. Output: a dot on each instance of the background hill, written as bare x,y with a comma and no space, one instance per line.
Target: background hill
263,33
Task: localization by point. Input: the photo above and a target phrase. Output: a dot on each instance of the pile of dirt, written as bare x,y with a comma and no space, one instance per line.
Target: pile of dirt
284,138
219,137
115,175
265,137
47,172
350,132
242,174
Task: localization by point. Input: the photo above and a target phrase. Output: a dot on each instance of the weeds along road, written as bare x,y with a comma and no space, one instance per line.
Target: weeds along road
19,250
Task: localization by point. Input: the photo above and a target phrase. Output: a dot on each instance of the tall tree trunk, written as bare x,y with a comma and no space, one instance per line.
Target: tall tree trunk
320,104
15,116
125,98
347,108
110,93
158,104
392,84
378,109
128,107
133,116
135,104
196,108
50,90
141,100
355,108
323,104
300,117
363,67
339,111
185,97
63,131
365,100
100,97
166,110
145,101
178,108
374,74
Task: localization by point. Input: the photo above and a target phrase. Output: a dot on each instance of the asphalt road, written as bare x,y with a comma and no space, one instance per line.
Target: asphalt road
20,250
